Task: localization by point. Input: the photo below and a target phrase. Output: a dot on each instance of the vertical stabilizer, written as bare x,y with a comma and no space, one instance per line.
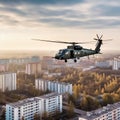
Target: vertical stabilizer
98,45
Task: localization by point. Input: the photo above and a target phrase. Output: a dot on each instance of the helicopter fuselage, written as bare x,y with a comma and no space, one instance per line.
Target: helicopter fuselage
75,53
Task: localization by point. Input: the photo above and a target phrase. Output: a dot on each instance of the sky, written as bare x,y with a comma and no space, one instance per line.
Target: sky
61,20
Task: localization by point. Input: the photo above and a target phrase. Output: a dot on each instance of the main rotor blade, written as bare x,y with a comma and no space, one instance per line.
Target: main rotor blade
84,42
52,41
103,40
108,40
101,36
97,36
73,43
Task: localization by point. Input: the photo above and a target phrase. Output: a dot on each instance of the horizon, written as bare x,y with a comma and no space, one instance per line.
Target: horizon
27,53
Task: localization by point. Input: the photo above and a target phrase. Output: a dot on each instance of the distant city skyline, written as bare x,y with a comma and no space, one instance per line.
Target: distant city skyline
78,20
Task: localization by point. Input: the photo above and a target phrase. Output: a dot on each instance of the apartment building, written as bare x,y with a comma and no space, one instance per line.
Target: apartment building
103,64
7,81
109,112
33,68
116,63
27,108
55,86
52,102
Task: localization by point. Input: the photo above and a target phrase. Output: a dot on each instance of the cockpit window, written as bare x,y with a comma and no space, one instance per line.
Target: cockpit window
67,52
60,51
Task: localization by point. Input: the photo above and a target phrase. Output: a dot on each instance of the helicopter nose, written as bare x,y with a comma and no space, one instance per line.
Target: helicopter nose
56,57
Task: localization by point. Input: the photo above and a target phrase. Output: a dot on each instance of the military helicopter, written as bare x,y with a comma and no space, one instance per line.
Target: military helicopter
75,51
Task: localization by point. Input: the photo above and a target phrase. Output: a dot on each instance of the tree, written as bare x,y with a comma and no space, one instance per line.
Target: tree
3,114
57,115
84,103
71,98
22,118
76,92
103,90
70,109
107,99
96,92
36,116
118,91
116,97
88,103
45,115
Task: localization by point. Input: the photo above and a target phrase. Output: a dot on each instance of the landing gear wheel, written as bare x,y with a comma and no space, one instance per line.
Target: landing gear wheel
65,60
75,60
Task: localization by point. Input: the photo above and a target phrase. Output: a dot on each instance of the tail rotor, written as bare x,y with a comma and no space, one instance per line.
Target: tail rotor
100,38
99,42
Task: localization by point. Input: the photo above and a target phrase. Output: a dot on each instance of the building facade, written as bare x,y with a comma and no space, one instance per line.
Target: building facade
33,68
7,81
49,103
109,112
55,86
102,64
52,103
32,59
116,64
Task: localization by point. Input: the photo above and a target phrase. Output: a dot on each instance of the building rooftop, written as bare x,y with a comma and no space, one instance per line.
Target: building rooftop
46,96
96,113
31,100
1,73
23,102
63,83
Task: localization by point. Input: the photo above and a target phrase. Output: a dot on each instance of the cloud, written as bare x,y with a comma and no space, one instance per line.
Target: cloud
62,13
111,11
42,2
8,21
13,10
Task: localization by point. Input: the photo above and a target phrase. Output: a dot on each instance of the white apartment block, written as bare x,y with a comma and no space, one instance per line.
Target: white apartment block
7,81
102,64
116,64
109,112
33,68
20,60
49,103
52,102
55,86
